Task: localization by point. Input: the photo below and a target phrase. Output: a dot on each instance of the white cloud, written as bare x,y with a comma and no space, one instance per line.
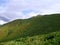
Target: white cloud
2,22
15,8
31,14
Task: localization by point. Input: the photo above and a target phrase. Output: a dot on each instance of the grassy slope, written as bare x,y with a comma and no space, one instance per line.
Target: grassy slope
30,27
45,39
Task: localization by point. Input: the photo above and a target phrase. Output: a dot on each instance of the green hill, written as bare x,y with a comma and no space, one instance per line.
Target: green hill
32,27
45,39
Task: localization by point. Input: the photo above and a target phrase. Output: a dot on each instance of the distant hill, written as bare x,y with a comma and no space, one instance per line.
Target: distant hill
37,25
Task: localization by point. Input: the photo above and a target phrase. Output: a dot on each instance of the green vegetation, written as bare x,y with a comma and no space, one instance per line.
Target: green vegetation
45,39
39,30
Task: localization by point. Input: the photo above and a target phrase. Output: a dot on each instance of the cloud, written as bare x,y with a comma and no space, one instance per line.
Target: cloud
13,9
2,22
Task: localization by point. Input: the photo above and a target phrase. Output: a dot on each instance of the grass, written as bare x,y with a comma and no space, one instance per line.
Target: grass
33,31
45,39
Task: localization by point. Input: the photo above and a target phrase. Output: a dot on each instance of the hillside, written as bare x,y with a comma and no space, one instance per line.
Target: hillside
45,39
22,28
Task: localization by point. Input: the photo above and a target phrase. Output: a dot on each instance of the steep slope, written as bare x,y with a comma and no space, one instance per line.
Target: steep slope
30,27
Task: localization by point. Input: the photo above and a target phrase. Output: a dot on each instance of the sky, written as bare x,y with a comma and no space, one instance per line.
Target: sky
22,9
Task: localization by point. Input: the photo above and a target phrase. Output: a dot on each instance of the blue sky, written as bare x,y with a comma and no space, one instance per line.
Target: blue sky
13,9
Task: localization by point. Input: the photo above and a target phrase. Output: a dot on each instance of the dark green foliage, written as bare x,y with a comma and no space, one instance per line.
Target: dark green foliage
37,40
39,25
49,38
9,32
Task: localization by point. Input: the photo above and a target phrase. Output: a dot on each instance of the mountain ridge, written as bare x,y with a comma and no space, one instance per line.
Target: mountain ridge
29,27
